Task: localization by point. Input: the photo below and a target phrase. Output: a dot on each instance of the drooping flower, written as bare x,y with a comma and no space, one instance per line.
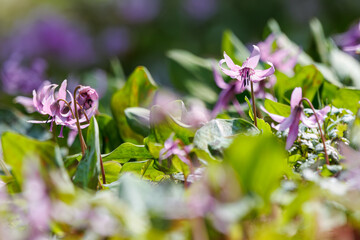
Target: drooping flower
59,105
247,72
297,114
175,148
350,40
281,57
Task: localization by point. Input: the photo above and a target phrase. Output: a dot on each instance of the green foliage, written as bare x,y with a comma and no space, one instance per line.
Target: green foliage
87,172
126,151
137,92
234,48
138,120
277,108
109,139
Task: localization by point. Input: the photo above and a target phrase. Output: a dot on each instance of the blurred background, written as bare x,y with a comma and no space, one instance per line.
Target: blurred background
64,39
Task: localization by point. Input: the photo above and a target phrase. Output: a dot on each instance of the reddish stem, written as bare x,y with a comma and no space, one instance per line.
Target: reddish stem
82,142
253,103
320,130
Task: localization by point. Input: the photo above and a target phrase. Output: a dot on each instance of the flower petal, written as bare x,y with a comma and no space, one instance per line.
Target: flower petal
309,122
218,78
293,132
254,58
296,97
289,120
225,96
262,74
228,72
276,118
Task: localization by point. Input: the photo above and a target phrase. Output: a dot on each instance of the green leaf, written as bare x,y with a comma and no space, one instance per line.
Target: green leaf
264,127
138,120
193,75
320,40
126,151
218,133
234,48
309,78
347,98
87,173
162,125
109,139
260,162
112,171
138,168
277,108
180,166
19,150
251,113
137,92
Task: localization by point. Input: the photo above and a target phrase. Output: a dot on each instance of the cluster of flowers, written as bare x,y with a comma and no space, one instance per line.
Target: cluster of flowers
60,106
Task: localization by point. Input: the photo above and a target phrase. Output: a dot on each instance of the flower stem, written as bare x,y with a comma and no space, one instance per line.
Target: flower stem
253,103
102,170
82,142
320,130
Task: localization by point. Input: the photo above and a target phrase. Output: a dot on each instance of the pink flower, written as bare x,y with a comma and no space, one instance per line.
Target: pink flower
247,71
297,114
175,148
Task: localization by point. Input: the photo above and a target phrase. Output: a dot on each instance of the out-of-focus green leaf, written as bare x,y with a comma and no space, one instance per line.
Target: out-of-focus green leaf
137,92
162,125
263,126
260,162
138,120
126,151
251,113
347,98
138,168
18,149
277,108
109,138
320,40
218,133
192,74
234,48
112,171
309,78
87,173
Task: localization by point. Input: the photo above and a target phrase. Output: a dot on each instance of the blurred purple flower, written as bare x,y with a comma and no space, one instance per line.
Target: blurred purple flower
55,37
260,87
175,148
18,78
115,41
201,9
352,161
197,115
139,11
282,59
350,40
297,114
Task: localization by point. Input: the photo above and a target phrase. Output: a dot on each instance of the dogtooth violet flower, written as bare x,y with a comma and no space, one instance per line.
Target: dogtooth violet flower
297,114
350,40
47,101
175,148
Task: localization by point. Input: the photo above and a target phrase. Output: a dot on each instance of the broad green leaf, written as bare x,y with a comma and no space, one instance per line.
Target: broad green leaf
218,133
260,162
234,48
347,98
87,173
138,168
193,75
277,108
19,150
264,127
109,138
138,120
309,78
162,125
137,92
126,151
112,171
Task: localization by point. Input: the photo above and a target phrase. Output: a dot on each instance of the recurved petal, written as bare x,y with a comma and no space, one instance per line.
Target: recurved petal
296,97
230,73
309,122
262,74
254,58
294,116
229,62
293,133
218,78
276,118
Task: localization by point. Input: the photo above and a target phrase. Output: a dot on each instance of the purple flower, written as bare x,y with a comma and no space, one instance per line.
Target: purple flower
350,40
139,11
115,41
197,115
247,71
297,114
282,58
88,100
18,78
201,9
53,36
175,148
